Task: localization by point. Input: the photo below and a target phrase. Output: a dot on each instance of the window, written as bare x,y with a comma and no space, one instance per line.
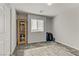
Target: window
40,25
33,25
37,25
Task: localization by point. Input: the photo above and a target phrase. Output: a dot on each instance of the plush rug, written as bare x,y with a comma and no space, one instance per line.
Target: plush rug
51,50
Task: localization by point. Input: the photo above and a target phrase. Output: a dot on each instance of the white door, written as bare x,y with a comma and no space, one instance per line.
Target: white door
4,30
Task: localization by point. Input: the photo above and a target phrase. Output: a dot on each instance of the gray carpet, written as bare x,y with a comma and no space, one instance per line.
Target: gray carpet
51,50
46,49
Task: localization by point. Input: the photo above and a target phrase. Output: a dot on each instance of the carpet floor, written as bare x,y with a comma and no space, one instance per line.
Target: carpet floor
46,49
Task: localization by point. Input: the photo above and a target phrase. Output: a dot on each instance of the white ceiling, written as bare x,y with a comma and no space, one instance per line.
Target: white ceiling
53,10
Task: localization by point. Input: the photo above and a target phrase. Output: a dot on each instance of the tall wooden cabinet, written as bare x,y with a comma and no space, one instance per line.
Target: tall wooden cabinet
22,31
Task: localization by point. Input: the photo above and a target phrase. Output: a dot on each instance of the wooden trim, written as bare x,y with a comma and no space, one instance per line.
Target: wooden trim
18,33
25,31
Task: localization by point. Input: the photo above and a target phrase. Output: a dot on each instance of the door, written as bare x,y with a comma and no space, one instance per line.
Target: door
4,30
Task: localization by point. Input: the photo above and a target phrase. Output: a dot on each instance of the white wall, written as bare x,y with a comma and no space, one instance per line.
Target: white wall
39,36
66,27
35,36
13,29
48,24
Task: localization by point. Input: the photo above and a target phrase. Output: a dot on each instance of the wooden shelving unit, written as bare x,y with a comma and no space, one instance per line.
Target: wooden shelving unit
21,31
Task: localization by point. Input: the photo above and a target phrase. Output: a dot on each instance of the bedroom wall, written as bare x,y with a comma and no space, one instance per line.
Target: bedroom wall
35,36
39,36
66,27
49,24
13,30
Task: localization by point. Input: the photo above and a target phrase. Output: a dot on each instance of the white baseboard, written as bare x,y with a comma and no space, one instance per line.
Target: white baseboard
68,45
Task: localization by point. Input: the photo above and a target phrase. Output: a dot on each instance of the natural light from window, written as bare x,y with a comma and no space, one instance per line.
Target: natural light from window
37,25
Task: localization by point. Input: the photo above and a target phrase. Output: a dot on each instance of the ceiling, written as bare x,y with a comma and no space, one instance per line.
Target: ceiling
43,8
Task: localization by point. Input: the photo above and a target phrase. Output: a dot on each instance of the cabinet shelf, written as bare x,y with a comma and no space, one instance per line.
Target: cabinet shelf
21,42
21,31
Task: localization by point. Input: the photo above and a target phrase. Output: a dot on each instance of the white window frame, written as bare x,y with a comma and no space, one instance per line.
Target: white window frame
40,27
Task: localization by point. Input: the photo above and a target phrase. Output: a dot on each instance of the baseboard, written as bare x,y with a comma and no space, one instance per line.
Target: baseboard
13,51
36,42
67,45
